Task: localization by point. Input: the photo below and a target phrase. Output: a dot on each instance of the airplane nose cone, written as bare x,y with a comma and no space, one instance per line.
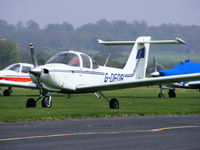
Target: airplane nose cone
39,71
36,71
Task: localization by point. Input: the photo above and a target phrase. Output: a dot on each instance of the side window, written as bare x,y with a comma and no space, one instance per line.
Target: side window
86,61
25,69
15,68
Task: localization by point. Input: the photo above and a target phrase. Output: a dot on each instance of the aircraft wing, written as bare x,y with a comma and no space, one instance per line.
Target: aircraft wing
194,84
138,83
18,84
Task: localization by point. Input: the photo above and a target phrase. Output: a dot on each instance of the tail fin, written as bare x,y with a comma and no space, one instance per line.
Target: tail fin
137,62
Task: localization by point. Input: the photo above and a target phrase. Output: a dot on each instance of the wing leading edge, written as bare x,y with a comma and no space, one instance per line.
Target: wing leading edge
138,83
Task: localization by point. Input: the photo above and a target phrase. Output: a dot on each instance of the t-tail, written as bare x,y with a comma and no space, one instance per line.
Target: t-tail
137,62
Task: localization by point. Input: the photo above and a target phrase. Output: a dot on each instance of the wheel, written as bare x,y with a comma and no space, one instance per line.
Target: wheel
47,102
6,92
114,104
172,93
30,103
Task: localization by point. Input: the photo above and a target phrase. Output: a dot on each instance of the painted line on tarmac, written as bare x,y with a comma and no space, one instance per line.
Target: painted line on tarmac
97,133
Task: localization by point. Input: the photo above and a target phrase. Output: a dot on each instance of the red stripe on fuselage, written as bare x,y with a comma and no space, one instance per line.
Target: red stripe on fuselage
18,79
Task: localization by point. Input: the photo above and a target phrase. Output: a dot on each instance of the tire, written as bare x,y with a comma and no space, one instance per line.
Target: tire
114,104
6,92
47,102
30,103
172,94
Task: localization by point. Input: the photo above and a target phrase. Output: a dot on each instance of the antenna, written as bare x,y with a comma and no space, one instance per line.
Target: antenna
107,60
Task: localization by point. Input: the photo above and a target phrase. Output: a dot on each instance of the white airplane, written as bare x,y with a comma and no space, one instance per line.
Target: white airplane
73,72
15,73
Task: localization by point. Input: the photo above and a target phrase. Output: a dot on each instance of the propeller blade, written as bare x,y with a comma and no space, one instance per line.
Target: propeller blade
36,71
33,56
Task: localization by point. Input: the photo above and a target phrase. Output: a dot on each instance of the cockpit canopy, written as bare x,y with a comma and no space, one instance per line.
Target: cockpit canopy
75,59
20,67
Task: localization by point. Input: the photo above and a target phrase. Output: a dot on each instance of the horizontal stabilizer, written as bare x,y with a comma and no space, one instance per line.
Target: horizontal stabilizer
176,41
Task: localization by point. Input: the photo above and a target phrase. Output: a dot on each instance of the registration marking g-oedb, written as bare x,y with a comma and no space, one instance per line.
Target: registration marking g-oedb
113,77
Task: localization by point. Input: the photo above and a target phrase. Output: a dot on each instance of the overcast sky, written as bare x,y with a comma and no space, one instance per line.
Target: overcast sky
79,12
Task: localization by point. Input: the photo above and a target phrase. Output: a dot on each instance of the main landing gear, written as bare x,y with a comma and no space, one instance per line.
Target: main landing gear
113,103
7,92
161,94
171,93
46,101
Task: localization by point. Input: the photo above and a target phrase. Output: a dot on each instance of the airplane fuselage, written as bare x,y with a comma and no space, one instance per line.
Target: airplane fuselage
64,78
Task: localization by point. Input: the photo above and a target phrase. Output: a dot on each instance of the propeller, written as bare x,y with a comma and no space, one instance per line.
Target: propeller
33,56
36,74
36,71
155,72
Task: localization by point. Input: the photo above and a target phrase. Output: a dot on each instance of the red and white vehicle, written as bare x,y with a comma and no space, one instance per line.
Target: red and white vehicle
17,73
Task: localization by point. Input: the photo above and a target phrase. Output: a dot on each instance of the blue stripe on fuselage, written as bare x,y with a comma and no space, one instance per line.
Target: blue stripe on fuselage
78,71
94,72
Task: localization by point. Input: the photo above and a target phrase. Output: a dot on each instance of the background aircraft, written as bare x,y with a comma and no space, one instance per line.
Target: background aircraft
73,72
186,67
14,74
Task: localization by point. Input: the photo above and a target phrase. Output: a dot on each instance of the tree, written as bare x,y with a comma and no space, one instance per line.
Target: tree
9,52
6,29
32,25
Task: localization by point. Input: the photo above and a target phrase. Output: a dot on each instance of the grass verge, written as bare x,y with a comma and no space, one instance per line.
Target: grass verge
133,102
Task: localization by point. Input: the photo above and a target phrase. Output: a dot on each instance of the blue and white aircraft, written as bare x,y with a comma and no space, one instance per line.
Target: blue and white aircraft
183,68
73,72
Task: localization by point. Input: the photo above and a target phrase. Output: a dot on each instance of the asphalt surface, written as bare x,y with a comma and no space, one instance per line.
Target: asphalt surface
138,133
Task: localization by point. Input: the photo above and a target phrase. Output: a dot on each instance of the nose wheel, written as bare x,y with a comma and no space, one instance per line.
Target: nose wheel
46,102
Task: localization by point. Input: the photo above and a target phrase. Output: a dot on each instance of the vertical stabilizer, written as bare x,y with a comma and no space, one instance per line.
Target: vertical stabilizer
137,62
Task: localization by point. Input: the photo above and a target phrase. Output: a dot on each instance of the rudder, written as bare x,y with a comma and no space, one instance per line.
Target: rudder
137,62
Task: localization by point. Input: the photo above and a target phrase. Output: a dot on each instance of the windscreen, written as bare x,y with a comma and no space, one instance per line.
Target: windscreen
65,58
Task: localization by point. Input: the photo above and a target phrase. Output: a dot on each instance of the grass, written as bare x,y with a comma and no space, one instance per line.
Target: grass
133,102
